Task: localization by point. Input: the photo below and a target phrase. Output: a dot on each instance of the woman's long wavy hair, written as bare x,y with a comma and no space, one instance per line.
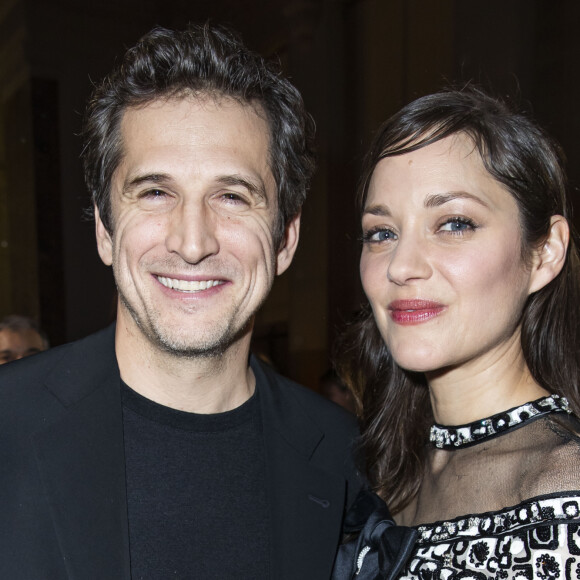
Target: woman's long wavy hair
394,404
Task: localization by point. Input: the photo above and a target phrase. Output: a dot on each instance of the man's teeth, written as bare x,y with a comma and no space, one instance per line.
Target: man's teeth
187,285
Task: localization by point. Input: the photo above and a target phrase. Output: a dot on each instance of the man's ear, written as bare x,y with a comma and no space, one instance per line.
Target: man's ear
549,258
104,242
289,244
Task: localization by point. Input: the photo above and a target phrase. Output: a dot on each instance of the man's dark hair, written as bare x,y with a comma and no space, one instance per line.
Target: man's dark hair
200,61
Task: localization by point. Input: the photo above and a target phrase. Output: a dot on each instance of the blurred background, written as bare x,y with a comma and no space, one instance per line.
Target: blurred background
355,62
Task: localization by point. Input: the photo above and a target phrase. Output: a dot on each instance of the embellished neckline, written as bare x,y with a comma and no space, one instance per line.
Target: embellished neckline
445,437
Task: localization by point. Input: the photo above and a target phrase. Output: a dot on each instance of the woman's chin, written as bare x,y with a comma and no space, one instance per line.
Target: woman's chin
417,360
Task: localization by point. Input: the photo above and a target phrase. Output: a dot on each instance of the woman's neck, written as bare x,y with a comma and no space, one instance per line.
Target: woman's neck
484,387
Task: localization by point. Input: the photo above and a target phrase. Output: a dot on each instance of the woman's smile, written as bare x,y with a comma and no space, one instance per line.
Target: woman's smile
409,312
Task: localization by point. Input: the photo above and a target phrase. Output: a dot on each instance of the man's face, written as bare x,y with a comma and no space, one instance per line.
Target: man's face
194,205
16,344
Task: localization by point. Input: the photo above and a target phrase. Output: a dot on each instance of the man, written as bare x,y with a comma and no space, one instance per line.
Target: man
154,449
20,336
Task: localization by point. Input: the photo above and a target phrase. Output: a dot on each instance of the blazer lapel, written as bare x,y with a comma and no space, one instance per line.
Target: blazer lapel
82,466
306,501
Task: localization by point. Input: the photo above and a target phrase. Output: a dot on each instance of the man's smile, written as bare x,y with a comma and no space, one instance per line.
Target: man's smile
188,285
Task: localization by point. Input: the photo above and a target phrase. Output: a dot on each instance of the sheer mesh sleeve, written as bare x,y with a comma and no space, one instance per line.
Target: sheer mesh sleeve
507,507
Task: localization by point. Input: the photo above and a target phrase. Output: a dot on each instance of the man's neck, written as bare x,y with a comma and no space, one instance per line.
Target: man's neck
212,384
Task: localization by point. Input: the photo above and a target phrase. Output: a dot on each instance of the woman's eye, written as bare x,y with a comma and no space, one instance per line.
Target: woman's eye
379,235
457,225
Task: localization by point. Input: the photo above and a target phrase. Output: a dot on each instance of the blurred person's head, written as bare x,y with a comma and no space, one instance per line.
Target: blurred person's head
20,336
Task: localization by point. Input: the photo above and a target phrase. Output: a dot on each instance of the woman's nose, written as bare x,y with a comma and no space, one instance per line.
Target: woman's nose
409,261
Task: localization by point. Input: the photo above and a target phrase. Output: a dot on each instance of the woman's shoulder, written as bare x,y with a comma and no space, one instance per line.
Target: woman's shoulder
553,464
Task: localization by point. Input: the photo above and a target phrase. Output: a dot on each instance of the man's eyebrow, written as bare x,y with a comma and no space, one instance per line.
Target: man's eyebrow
438,199
256,188
152,178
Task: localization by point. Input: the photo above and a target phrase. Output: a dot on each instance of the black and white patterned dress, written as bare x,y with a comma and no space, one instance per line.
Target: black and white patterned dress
517,476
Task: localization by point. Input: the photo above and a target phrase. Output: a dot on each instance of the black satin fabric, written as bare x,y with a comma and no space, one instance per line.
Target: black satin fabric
390,545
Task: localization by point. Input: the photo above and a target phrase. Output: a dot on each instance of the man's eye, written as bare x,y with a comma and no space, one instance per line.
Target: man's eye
154,193
231,197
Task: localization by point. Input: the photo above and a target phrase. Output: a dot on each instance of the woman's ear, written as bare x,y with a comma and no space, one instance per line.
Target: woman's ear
549,258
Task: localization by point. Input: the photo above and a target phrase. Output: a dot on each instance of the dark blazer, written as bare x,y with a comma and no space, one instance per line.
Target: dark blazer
63,509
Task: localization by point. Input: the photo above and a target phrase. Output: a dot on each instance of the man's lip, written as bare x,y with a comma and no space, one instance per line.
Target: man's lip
409,305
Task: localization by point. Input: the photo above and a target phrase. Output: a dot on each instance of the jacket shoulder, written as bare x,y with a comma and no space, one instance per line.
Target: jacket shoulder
327,433
326,414
54,378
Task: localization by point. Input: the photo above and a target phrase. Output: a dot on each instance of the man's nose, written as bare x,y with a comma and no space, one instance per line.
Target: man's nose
192,232
409,261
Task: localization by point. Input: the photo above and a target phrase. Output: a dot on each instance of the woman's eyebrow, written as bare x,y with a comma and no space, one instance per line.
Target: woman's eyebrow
438,199
431,201
378,209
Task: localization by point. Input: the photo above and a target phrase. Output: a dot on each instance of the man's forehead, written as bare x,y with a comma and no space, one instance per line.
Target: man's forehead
201,99
172,126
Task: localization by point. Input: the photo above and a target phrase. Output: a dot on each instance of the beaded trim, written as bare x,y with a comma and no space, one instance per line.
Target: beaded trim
544,509
464,435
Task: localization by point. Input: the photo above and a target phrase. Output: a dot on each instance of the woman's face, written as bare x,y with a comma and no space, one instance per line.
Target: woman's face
442,258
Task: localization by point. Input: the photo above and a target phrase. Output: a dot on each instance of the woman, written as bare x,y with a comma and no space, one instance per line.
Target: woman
466,364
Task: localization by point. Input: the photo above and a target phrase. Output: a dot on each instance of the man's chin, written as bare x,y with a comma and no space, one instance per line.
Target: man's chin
193,351
189,347
193,347
188,341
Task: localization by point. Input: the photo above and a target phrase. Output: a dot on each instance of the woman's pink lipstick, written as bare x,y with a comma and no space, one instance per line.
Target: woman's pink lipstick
408,312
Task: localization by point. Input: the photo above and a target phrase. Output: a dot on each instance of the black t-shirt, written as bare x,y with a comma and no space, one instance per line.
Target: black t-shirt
196,494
